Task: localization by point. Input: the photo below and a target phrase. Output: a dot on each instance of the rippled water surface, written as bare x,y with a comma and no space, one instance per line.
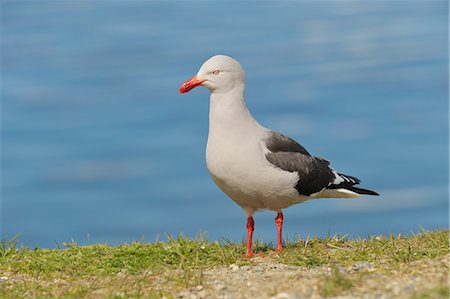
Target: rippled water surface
99,146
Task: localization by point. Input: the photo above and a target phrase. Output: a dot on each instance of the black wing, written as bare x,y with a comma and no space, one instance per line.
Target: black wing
285,153
279,143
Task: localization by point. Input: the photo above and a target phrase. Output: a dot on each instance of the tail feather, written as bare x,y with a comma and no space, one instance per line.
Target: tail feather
349,179
349,183
362,191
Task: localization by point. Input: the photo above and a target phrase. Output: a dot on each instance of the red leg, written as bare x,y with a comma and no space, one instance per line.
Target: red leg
279,222
250,229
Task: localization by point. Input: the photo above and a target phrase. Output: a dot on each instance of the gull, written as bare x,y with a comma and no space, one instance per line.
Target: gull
256,167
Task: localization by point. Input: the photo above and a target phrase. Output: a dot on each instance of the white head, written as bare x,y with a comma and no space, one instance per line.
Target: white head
219,74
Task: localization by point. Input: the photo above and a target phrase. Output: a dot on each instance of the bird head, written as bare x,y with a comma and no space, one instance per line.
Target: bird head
219,74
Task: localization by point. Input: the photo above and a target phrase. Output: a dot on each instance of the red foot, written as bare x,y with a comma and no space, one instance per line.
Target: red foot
279,222
250,229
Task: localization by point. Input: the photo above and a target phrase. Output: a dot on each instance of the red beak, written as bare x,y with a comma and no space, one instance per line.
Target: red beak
190,84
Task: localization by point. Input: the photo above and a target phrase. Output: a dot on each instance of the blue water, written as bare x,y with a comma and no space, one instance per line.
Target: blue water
99,146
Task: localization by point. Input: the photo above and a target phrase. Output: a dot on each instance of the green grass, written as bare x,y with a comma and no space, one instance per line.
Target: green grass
180,253
390,249
439,292
139,269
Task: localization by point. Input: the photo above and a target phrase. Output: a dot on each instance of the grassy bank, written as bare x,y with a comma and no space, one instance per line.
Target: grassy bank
185,267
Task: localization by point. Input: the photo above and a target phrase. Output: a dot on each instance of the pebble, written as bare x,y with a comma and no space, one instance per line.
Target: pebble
282,295
169,262
221,287
202,294
409,288
358,266
183,294
234,267
199,287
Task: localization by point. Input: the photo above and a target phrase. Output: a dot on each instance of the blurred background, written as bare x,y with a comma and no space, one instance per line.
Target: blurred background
99,146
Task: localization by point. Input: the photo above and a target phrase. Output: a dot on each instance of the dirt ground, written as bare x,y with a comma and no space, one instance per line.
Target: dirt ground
426,278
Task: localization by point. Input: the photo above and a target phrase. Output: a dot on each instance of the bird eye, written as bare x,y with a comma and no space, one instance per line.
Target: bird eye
216,72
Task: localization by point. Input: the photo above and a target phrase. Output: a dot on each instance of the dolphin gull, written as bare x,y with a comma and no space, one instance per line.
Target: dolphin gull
256,167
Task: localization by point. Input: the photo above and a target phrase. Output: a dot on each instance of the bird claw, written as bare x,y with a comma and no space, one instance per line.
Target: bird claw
248,255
